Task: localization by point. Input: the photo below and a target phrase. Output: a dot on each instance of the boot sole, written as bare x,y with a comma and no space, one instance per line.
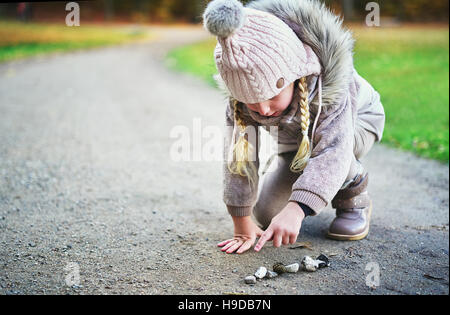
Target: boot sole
357,237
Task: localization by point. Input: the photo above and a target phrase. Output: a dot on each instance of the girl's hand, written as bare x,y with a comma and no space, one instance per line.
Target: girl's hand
284,228
245,234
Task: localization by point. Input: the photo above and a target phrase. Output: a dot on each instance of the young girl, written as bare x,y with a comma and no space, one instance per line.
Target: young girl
289,64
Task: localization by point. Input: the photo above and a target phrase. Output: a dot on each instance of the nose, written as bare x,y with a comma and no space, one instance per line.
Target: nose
264,109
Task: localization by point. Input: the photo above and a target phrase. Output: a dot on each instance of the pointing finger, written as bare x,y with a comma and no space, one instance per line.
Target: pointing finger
264,238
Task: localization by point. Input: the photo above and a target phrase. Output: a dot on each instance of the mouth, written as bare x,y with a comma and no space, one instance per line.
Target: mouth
273,115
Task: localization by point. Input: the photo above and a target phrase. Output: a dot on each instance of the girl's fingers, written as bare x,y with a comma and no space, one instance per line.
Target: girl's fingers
267,235
229,245
276,240
259,232
234,247
285,239
245,246
225,242
292,239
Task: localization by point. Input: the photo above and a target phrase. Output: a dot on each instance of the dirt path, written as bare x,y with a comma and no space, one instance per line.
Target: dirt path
85,179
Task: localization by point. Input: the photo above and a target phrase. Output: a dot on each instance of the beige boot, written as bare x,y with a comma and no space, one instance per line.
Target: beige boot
353,209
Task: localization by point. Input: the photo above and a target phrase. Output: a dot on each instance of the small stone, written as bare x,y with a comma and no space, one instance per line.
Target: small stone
309,264
324,261
260,273
279,268
292,268
250,280
32,244
271,274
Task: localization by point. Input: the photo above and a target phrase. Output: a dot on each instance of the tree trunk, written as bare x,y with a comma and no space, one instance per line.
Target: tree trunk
109,10
348,9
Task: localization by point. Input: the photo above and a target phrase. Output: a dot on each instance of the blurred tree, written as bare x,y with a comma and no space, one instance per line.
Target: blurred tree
109,10
348,9
24,11
406,10
190,11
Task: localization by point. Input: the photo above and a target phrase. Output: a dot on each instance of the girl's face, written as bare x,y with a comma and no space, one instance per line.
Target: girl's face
276,105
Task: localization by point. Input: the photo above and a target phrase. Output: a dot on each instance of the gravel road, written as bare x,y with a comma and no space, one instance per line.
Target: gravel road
86,184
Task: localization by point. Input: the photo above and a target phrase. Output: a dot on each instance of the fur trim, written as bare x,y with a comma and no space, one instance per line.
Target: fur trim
322,30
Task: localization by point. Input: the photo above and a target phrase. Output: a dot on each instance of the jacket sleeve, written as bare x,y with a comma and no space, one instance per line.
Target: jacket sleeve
238,196
331,157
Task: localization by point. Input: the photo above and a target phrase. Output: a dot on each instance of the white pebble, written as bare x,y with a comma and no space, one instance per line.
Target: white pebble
261,272
250,280
271,274
309,264
292,268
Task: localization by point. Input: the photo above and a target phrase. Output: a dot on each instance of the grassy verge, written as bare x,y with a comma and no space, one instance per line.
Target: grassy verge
410,69
20,40
196,59
408,66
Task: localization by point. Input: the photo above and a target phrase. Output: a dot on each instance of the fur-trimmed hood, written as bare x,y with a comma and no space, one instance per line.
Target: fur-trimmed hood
322,30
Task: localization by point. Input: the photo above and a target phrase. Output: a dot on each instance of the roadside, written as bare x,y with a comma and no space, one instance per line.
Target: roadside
20,40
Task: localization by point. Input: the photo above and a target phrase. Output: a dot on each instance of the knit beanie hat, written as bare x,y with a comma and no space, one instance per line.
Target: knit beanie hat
257,54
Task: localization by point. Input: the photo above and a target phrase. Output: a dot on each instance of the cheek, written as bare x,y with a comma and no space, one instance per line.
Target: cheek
284,102
281,105
252,107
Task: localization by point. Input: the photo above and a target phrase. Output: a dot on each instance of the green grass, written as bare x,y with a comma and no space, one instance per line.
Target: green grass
196,59
410,69
19,40
408,66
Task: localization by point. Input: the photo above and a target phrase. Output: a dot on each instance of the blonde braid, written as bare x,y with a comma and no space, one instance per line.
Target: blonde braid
242,149
300,160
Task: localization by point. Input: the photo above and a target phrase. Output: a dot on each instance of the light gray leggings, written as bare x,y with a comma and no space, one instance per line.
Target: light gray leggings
276,186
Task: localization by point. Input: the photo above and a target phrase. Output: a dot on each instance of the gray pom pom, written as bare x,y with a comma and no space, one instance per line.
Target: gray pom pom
223,17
